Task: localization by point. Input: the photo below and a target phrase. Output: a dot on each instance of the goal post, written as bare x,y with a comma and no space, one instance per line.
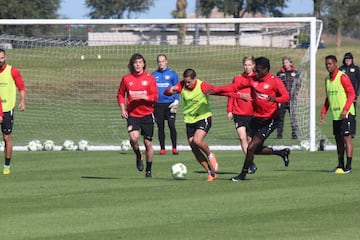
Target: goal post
73,72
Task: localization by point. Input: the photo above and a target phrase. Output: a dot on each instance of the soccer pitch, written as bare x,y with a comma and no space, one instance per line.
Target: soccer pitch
101,195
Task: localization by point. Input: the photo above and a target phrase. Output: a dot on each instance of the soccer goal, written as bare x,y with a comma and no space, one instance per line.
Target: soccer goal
72,71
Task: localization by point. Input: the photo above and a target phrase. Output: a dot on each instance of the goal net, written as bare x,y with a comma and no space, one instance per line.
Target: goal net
72,70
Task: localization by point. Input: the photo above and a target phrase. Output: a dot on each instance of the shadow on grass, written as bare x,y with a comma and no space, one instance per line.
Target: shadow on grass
303,170
98,177
219,173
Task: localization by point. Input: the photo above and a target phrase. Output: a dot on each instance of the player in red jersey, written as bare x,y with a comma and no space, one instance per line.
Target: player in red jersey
267,91
136,96
240,109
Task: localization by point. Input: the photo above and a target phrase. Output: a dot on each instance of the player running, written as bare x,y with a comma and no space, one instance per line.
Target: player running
136,96
197,116
267,91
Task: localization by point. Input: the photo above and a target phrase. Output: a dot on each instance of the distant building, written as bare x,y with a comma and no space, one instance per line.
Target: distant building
254,35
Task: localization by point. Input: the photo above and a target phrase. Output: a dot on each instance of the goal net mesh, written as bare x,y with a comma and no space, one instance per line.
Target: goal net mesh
72,74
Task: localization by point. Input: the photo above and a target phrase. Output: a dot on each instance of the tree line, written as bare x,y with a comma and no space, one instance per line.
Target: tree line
340,17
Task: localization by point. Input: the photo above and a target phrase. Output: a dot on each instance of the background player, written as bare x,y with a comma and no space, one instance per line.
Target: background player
10,79
166,106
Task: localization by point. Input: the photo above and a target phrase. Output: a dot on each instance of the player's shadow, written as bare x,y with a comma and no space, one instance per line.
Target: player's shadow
303,170
219,173
99,177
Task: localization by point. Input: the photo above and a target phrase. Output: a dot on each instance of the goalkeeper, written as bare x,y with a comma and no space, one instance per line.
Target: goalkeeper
166,107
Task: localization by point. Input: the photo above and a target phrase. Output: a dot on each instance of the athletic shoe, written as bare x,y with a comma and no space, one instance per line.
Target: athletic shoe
162,152
285,155
6,170
139,163
213,163
211,177
148,174
252,169
240,177
175,152
347,170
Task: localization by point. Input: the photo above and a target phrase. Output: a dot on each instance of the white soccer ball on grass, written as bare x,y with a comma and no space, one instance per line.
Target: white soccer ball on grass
178,170
34,145
305,145
48,145
2,146
83,145
125,145
68,145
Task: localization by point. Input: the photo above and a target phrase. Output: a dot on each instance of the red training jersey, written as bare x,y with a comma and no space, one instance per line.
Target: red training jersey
205,87
269,86
240,106
1,111
134,85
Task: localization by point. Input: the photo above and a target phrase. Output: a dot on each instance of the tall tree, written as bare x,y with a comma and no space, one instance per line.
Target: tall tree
206,7
341,16
116,9
34,9
318,5
238,8
181,6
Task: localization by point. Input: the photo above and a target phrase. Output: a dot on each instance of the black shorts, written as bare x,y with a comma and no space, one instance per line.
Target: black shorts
263,127
145,124
204,124
242,121
8,123
344,127
162,112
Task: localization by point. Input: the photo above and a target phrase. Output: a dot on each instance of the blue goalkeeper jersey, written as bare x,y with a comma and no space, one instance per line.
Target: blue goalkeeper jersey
165,79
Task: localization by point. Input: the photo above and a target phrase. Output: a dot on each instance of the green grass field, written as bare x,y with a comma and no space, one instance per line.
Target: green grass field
101,195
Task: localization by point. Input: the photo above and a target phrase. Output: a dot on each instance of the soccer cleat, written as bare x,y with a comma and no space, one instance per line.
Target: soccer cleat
6,170
162,152
252,169
213,163
175,152
347,170
211,177
148,174
285,156
240,177
139,163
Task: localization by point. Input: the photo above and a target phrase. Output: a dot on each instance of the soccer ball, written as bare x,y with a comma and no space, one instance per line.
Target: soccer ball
125,145
2,145
34,145
305,145
48,145
83,145
68,145
178,171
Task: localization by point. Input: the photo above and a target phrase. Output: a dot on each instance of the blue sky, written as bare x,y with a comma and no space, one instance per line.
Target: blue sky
76,8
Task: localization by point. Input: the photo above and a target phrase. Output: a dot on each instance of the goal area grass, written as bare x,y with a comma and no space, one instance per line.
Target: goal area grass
101,195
